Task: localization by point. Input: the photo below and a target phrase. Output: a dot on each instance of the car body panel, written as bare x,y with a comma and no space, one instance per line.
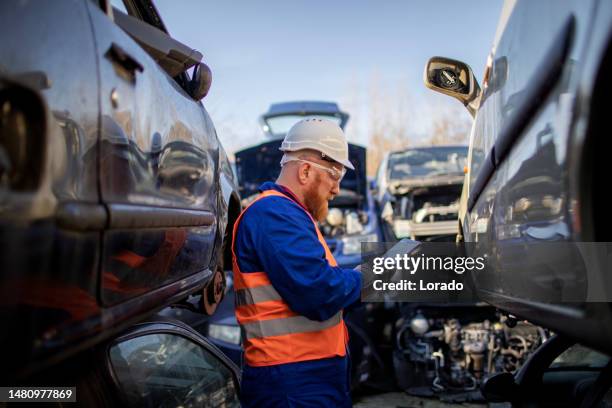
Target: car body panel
158,149
530,154
126,215
37,301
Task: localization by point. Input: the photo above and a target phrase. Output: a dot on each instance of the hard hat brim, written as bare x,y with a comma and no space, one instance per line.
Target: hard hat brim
346,164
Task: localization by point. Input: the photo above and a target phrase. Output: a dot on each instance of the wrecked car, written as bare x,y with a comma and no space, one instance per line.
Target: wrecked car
534,197
443,350
418,192
116,198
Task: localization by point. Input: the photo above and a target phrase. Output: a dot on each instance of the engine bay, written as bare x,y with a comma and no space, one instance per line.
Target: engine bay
341,221
448,352
423,212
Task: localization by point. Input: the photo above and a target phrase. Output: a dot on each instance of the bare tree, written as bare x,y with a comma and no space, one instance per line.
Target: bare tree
234,133
450,126
389,119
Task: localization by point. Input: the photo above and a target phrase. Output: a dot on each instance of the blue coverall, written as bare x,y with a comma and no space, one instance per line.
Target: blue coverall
277,236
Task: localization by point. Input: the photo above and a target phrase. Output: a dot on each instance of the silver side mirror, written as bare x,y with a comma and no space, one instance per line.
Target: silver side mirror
453,78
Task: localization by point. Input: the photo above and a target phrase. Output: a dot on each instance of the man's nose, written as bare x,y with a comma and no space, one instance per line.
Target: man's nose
336,188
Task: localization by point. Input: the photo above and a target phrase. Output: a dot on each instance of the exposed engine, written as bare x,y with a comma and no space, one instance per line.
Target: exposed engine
423,212
450,356
411,201
343,221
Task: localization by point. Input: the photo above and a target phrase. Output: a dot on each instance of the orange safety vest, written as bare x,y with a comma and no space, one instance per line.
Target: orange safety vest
272,332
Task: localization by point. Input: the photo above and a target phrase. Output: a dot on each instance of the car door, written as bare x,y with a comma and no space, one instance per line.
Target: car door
158,155
49,213
167,364
521,208
517,192
519,138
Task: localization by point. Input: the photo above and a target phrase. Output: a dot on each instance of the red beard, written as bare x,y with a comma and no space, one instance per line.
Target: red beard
316,205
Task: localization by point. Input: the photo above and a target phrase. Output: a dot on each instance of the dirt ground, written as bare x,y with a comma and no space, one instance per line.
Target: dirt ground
403,400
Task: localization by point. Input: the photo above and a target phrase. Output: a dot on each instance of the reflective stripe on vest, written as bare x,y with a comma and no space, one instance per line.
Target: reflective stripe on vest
274,334
288,325
250,296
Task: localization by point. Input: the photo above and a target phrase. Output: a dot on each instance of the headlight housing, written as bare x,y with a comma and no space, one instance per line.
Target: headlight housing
351,245
224,332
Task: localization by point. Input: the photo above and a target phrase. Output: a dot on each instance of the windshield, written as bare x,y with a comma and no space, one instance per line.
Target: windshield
279,125
427,162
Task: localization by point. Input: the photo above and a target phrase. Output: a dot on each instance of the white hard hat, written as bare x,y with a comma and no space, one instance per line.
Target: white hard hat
321,135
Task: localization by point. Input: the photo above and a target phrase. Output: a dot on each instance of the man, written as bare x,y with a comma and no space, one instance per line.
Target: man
290,293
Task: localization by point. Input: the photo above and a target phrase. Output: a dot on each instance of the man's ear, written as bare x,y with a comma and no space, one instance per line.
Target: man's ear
303,172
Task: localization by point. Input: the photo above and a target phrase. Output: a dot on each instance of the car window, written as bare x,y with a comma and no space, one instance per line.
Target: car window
168,370
579,356
280,125
427,162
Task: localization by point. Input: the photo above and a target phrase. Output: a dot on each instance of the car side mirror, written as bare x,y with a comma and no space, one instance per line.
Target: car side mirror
201,81
453,78
500,387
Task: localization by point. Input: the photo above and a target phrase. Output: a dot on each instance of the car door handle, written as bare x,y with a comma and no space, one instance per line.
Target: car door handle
120,57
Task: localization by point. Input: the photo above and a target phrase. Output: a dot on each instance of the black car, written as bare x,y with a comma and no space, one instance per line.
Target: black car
116,196
534,200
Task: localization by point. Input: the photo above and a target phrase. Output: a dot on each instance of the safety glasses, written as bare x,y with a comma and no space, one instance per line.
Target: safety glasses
334,173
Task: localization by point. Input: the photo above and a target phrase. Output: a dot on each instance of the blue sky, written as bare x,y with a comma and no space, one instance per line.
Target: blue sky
263,52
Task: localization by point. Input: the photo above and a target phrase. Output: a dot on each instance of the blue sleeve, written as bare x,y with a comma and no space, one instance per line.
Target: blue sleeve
288,249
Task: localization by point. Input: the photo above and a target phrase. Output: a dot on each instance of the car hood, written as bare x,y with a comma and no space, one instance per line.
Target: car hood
406,185
260,163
